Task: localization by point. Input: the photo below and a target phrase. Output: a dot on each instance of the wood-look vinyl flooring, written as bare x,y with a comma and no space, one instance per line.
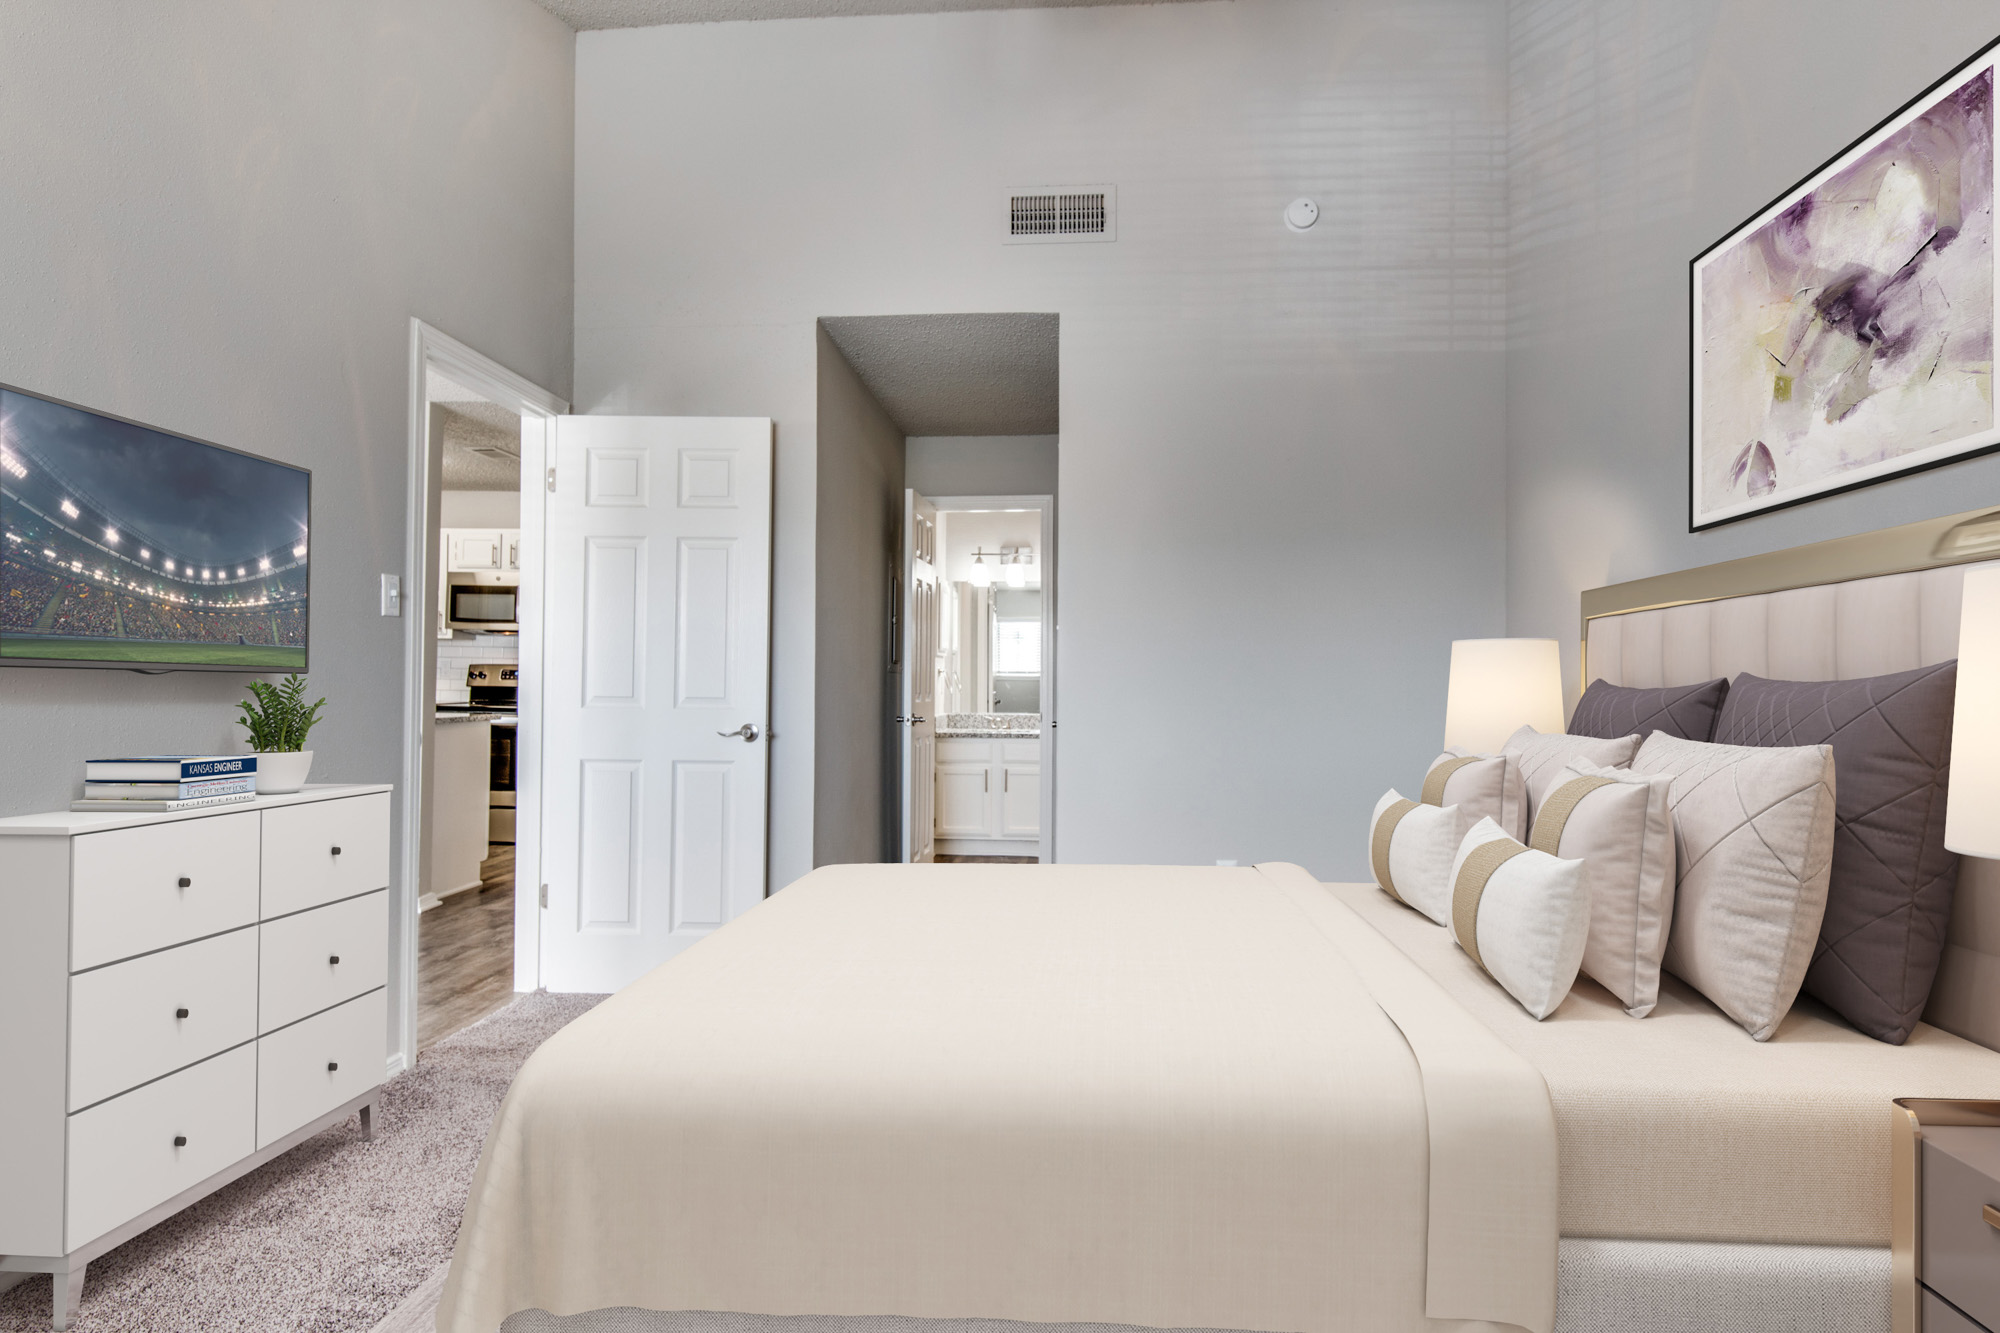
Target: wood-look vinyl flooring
465,952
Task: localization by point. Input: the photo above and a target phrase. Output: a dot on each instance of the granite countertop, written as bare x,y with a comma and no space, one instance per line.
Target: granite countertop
497,718
990,726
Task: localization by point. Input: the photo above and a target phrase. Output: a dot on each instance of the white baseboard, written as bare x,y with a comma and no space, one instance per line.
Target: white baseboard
396,1064
989,846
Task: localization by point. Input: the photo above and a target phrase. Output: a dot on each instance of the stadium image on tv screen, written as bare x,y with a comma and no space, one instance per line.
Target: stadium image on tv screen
128,546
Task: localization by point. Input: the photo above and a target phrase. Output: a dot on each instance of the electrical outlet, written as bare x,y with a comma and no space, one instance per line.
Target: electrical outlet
392,594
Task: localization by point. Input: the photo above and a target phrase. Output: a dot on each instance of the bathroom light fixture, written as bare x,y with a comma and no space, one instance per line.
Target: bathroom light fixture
981,576
1017,571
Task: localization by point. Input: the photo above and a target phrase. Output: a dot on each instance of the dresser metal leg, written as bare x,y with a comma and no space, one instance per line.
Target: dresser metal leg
368,1121
68,1295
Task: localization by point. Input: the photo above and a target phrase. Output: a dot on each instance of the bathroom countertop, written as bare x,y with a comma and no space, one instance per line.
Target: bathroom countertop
987,733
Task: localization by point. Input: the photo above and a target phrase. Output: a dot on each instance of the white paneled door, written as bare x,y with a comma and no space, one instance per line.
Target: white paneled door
657,689
918,719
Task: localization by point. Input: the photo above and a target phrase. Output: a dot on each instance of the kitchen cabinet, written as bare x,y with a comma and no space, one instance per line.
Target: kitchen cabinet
481,550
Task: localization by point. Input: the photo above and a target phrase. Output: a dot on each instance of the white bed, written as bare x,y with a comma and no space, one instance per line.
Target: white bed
891,1101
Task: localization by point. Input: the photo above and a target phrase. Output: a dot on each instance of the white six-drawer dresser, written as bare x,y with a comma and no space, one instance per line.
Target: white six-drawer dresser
187,995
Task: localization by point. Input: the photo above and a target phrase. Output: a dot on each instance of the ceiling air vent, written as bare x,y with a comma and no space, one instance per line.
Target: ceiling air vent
1062,213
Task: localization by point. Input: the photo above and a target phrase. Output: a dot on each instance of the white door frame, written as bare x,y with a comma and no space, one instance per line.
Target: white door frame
1046,505
431,349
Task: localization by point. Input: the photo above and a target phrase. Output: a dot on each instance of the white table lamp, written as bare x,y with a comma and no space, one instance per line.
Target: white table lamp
1972,807
1496,686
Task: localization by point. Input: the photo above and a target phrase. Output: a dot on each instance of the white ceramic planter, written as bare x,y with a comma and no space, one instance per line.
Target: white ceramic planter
282,771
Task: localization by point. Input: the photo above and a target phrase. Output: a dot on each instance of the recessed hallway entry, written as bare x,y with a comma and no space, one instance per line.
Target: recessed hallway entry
937,665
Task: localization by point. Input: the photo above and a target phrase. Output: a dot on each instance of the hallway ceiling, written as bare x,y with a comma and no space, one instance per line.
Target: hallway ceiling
582,14
957,374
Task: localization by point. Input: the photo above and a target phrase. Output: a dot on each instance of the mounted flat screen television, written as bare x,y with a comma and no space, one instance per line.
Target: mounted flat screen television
128,546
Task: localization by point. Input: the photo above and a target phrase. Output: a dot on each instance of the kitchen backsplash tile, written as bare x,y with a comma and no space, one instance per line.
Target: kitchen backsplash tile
455,655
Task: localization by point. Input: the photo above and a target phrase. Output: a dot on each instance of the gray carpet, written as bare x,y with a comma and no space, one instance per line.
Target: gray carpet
335,1234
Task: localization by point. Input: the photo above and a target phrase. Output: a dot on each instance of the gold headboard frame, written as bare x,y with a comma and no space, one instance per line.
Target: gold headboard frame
1956,539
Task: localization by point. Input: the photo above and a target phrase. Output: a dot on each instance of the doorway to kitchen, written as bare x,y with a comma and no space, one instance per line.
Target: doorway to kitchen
470,931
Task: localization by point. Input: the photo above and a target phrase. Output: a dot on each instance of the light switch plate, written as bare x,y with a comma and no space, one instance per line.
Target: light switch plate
392,594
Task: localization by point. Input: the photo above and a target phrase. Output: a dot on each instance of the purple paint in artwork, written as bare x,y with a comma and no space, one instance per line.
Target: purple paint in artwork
1857,324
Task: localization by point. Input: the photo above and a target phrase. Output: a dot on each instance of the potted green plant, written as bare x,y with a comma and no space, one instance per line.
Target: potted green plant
278,718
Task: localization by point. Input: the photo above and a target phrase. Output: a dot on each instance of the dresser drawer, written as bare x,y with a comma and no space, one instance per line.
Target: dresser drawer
140,889
1961,1249
309,1068
314,960
124,1020
1942,1317
123,1158
301,867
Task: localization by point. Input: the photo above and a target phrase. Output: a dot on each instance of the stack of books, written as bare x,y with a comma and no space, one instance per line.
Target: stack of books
167,782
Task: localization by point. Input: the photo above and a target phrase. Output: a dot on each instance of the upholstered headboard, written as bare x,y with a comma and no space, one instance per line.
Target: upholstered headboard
1857,620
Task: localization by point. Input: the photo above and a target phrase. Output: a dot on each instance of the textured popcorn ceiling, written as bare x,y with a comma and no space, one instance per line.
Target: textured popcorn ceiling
581,14
482,440
956,374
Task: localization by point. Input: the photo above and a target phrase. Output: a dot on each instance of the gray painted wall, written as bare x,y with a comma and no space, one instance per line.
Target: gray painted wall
1282,454
220,218
858,541
982,464
1642,131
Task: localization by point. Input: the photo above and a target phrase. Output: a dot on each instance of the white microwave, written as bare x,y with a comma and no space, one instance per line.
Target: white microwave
486,608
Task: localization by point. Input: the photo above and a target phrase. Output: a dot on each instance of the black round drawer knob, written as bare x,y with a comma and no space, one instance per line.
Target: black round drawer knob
336,851
333,960
332,1066
180,1013
185,882
180,1140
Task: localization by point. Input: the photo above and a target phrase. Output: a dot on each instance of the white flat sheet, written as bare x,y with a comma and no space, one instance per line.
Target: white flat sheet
1678,1126
1176,1097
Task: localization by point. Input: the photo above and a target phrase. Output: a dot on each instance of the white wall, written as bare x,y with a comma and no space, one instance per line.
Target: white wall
220,216
1643,131
989,531
479,509
1281,461
859,541
982,464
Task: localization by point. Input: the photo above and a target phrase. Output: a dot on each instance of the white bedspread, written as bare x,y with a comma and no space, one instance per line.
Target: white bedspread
1176,1097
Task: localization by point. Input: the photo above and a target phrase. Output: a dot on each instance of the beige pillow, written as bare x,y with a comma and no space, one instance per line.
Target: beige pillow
1523,915
1619,824
1411,846
1488,786
1543,756
1753,840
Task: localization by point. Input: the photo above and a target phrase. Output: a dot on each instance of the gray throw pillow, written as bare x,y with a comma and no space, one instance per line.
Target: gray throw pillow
1685,712
1888,902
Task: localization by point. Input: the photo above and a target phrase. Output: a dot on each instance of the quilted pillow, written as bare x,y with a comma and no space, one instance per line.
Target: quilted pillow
1888,903
1620,825
1489,786
1544,756
1521,914
1411,846
1685,711
1753,842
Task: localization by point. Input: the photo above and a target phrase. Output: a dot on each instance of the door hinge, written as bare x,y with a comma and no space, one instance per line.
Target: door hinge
545,895
552,481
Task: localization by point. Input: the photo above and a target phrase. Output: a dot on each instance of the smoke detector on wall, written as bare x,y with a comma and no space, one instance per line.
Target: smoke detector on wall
1060,213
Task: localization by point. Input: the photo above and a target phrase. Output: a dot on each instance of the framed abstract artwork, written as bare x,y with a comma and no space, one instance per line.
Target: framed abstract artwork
1844,334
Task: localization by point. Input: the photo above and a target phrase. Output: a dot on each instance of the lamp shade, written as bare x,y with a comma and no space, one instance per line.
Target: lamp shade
1972,804
1496,686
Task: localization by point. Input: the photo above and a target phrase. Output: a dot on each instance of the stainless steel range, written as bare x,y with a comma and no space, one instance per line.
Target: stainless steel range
495,689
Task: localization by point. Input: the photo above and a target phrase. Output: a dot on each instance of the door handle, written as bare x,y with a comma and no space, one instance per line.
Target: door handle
912,718
748,731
